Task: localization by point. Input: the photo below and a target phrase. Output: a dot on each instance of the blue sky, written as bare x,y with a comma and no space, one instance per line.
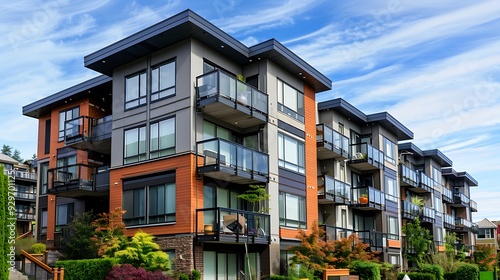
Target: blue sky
434,65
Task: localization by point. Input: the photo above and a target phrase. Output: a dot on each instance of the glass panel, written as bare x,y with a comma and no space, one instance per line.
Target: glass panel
292,207
232,267
209,261
132,88
221,266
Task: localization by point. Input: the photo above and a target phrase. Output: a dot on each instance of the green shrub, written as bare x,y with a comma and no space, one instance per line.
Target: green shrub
449,276
366,270
417,276
183,276
467,271
282,277
39,248
195,274
25,244
388,271
432,269
90,269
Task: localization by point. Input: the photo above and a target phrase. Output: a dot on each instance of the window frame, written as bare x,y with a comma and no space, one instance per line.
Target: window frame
70,213
296,113
161,151
389,192
142,97
391,155
283,152
285,221
156,95
62,122
140,156
392,233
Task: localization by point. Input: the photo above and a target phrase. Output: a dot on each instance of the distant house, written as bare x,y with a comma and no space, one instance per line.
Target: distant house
487,233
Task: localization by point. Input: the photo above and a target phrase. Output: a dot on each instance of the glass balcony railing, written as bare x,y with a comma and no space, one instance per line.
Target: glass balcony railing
447,195
473,205
331,139
449,221
87,129
19,174
410,210
460,198
25,216
366,153
409,177
232,225
376,239
333,189
219,83
336,233
219,155
71,177
428,214
368,197
463,223
426,182
25,194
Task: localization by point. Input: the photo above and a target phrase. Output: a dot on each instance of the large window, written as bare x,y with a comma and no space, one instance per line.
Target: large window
290,101
390,151
153,204
163,81
486,233
392,227
438,237
291,153
135,90
44,182
43,222
66,116
64,215
135,145
438,204
436,174
162,138
391,189
292,210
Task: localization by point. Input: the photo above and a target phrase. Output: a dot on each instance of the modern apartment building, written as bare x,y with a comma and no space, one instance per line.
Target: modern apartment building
183,119
22,177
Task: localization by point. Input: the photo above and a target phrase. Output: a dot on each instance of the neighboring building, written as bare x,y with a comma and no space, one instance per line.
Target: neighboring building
172,133
23,177
487,234
174,137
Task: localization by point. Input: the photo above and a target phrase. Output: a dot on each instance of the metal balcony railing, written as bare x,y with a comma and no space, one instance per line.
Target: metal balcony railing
333,189
336,233
87,129
376,239
368,197
447,195
449,221
364,152
18,174
426,182
460,198
473,205
333,140
428,214
410,210
409,177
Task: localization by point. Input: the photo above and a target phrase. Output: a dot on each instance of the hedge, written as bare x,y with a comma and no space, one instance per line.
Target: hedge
467,272
432,269
450,276
90,269
417,276
366,270
282,277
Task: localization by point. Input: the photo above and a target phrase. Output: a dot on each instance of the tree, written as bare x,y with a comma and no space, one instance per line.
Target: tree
7,150
316,253
109,234
485,257
142,251
17,155
78,244
255,195
419,239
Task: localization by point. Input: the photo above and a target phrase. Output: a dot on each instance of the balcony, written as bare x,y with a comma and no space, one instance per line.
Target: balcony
330,143
75,180
25,216
336,233
226,98
87,133
408,176
462,224
428,215
333,191
447,195
25,193
377,240
232,226
365,157
228,161
473,206
449,221
410,210
460,200
426,184
19,174
368,198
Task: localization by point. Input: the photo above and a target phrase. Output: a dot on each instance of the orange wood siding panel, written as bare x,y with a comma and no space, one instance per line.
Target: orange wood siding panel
393,243
51,216
187,198
311,157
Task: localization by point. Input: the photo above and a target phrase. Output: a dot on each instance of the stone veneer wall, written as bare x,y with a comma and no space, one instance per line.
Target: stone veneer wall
185,258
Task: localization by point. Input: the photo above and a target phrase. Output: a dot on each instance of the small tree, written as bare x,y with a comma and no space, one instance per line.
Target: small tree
255,196
7,150
419,239
109,233
78,243
485,257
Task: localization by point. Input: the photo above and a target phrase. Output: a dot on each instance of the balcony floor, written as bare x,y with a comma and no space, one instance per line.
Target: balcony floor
231,174
226,109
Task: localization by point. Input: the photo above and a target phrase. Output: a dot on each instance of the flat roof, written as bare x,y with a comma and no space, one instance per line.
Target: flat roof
188,24
439,157
450,172
383,118
410,147
96,86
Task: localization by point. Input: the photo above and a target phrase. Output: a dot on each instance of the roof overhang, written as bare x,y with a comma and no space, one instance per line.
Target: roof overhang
410,147
439,157
392,124
468,178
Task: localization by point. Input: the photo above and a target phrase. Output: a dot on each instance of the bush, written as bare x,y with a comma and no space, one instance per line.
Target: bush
39,248
183,276
282,277
450,276
433,269
127,271
91,269
417,276
25,244
467,271
366,270
388,271
195,274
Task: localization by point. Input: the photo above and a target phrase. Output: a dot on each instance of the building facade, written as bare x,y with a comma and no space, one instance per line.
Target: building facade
487,233
184,118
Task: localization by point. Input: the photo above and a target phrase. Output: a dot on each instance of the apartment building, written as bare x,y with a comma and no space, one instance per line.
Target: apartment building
22,177
358,176
182,120
439,196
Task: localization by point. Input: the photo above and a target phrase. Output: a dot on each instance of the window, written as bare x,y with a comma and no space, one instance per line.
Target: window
394,259
438,205
135,145
392,227
44,167
66,116
291,153
66,167
162,138
47,137
172,257
211,130
64,214
292,210
390,151
436,175
391,189
44,222
135,90
153,204
163,81
290,101
438,237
